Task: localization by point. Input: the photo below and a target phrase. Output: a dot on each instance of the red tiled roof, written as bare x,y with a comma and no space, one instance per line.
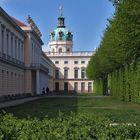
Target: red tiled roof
19,23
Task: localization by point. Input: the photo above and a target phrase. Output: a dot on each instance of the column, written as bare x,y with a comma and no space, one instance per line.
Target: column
33,54
37,83
7,42
17,48
9,53
0,41
4,42
13,46
19,51
15,55
22,52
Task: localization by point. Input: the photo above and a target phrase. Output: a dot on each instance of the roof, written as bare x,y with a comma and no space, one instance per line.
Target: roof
61,34
10,19
19,23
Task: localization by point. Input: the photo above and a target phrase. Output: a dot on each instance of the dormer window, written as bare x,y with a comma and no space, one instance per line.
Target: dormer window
69,36
60,35
52,34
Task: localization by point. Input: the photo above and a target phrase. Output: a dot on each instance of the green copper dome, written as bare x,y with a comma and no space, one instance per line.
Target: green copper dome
61,34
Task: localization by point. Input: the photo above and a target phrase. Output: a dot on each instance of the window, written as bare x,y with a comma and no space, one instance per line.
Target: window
60,50
2,78
56,74
60,35
83,73
89,86
12,80
53,50
2,40
56,62
75,62
65,73
68,50
15,48
82,62
57,86
7,43
82,87
65,86
19,50
11,46
76,86
65,62
75,73
7,80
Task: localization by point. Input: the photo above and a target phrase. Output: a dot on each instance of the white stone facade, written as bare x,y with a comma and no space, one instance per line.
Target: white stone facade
11,56
70,73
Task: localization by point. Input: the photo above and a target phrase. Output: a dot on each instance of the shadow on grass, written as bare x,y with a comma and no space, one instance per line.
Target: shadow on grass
50,107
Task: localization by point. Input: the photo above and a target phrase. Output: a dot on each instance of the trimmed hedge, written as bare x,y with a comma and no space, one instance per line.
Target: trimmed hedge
116,63
125,82
82,127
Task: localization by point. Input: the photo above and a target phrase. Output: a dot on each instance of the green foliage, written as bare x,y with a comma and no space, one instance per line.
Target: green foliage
98,87
118,51
81,127
125,85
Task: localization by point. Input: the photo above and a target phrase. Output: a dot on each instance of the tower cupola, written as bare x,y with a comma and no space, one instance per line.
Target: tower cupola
61,38
61,19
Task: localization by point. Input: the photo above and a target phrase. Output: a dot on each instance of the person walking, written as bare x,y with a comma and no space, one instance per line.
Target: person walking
47,90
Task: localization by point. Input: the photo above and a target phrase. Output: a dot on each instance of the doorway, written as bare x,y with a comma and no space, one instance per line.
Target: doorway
65,86
57,86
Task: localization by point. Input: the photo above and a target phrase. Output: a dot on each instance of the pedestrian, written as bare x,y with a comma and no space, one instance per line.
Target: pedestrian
43,91
47,90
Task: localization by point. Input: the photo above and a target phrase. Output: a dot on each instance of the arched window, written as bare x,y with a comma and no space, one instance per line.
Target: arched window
60,50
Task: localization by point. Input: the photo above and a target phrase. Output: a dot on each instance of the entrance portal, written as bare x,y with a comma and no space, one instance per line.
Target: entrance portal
65,86
56,86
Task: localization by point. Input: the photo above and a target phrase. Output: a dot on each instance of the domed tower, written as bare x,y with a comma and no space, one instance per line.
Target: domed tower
61,39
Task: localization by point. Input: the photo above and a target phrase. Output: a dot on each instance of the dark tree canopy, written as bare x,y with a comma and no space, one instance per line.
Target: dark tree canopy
120,42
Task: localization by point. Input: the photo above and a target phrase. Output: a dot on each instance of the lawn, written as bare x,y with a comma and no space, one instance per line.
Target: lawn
117,111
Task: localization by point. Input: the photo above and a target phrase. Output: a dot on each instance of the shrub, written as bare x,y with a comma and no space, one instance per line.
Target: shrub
73,127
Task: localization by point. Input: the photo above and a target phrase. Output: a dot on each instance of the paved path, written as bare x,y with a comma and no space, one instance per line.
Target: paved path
17,102
75,96
21,101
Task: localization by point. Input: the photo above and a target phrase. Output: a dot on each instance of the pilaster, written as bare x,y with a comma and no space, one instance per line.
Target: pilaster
0,41
37,83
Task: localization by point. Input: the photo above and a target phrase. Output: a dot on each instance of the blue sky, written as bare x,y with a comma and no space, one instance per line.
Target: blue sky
87,19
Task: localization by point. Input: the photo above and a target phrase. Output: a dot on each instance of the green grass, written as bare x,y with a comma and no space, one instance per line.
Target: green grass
117,111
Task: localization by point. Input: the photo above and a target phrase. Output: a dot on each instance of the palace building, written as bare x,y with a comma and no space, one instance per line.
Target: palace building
26,70
70,72
24,67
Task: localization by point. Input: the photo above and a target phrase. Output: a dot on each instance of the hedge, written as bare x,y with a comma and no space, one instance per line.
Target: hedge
81,127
